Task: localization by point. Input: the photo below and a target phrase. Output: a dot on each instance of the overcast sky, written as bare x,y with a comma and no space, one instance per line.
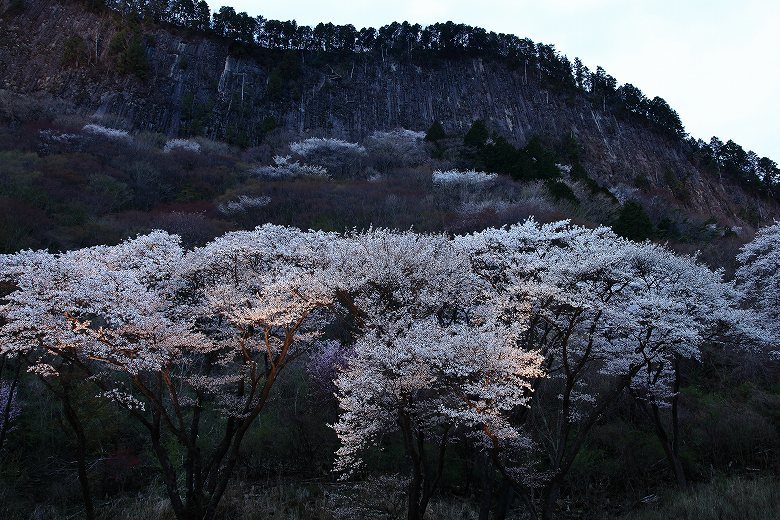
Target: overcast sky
717,62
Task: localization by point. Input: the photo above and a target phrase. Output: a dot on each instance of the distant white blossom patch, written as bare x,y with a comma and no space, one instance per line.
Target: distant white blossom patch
396,148
243,204
54,137
339,157
187,145
43,370
108,133
283,168
314,145
400,134
623,193
454,177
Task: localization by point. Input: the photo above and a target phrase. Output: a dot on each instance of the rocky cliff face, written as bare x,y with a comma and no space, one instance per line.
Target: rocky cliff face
202,85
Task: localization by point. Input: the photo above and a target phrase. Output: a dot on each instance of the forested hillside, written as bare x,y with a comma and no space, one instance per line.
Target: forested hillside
246,81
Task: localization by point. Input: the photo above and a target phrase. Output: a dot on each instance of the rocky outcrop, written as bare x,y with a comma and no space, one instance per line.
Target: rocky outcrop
203,85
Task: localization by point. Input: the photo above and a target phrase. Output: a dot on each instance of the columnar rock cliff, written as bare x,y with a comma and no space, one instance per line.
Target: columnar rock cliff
198,84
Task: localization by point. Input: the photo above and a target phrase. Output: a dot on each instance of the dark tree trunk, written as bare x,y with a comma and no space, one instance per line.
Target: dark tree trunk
525,495
670,440
486,487
167,470
678,467
431,477
550,498
505,498
424,479
670,448
414,443
6,410
81,451
415,494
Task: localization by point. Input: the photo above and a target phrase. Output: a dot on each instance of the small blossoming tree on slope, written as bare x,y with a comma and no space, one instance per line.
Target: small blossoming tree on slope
338,157
9,407
396,148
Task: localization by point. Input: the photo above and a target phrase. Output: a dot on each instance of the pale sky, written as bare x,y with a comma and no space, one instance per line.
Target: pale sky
717,62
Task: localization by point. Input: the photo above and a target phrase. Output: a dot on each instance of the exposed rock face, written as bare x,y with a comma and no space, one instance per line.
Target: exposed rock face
202,85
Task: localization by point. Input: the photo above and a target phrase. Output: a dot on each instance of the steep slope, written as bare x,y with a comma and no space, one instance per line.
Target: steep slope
201,85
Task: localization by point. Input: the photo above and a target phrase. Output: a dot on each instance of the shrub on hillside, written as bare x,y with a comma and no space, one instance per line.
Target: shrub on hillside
243,204
396,148
185,145
455,177
284,168
129,52
333,154
108,133
632,222
74,52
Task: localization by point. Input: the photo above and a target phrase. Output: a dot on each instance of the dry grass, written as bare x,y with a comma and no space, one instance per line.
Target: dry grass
376,498
722,499
290,501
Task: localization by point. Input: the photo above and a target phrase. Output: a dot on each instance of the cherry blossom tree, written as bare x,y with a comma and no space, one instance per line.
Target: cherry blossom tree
34,331
426,381
184,145
175,338
107,133
431,357
606,314
515,339
391,281
462,178
243,204
758,279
